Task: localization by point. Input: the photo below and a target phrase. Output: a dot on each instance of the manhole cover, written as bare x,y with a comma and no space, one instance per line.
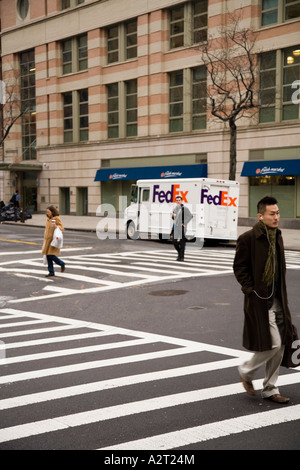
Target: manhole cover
168,293
196,308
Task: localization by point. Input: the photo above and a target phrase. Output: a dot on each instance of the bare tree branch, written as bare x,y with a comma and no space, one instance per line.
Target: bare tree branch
11,110
231,67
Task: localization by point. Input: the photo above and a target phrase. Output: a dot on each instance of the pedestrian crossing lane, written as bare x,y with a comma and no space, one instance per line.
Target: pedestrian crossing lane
77,347
93,273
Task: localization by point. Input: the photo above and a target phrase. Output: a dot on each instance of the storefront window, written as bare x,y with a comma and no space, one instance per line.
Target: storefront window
282,187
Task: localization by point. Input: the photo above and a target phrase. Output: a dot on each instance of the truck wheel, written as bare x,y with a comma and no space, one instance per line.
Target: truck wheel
132,234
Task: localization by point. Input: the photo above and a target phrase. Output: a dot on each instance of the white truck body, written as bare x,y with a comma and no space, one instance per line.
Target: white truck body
212,202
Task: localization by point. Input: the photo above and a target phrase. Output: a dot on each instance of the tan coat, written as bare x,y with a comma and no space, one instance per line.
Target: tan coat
48,236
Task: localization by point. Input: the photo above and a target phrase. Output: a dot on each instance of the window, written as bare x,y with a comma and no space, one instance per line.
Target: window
278,11
267,86
131,108
279,73
70,3
177,27
23,8
75,54
281,187
113,44
113,110
122,109
76,119
68,117
28,104
199,98
131,39
269,12
176,101
188,24
187,100
200,21
122,42
83,115
291,73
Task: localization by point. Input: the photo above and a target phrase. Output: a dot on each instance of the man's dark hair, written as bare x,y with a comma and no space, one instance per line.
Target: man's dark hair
264,202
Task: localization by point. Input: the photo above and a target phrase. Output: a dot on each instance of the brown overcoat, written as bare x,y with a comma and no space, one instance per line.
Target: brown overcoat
249,264
48,236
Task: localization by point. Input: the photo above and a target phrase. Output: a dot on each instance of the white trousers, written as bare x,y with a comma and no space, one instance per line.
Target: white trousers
271,358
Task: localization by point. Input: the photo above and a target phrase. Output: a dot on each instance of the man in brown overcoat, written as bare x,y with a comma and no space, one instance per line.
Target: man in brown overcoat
259,266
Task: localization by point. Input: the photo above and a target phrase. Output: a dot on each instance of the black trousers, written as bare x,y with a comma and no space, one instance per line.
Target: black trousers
180,247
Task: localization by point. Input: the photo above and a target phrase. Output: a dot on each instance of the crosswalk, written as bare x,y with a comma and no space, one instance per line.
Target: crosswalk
59,375
96,272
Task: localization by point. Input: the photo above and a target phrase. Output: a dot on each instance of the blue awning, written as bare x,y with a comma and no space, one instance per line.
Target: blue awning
152,172
272,167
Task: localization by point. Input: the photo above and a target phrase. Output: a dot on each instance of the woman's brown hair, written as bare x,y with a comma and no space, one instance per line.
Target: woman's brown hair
53,210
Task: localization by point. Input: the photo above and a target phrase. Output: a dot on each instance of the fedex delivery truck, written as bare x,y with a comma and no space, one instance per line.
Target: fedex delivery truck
212,202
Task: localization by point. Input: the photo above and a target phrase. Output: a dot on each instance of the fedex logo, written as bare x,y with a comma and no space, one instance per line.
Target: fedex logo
221,199
168,196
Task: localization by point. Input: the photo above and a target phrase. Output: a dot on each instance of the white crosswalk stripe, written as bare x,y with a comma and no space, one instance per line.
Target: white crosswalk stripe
92,273
64,344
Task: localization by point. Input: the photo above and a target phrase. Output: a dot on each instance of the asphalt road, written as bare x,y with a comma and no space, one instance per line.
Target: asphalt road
135,307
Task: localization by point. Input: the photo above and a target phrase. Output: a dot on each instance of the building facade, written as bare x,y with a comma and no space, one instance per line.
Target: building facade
111,91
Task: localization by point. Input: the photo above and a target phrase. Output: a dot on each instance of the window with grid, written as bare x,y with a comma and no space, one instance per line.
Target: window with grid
122,42
28,104
75,54
267,86
176,101
113,110
291,74
177,27
200,21
188,23
68,116
83,115
76,118
122,109
279,80
131,108
199,98
113,44
70,3
278,11
187,99
131,39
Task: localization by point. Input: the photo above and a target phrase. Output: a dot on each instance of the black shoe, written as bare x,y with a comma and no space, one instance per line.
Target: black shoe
63,268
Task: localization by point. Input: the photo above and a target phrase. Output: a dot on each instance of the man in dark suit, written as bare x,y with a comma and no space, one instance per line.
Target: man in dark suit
181,216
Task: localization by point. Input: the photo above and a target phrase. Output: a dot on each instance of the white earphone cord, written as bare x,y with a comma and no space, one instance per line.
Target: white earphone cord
273,282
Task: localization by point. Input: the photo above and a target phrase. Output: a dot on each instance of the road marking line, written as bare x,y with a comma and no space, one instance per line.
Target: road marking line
210,431
162,441
94,365
74,351
18,241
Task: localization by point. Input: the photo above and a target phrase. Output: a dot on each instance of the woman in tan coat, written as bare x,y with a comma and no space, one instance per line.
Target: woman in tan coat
51,252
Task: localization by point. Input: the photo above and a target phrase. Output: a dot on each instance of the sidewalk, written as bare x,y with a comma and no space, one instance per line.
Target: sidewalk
291,237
